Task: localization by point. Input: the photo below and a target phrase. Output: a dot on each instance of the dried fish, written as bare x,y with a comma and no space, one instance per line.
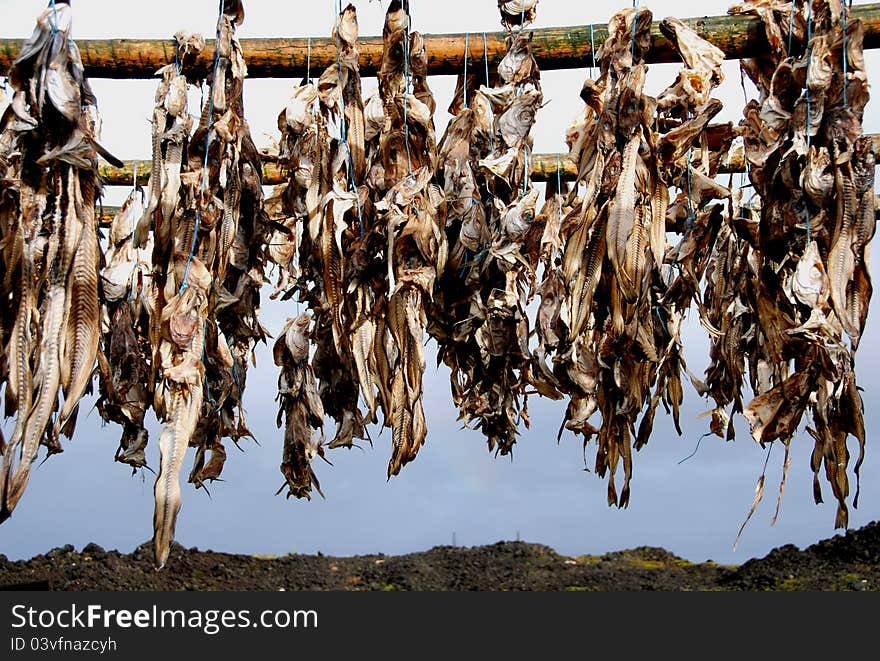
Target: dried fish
480,320
621,311
791,282
51,246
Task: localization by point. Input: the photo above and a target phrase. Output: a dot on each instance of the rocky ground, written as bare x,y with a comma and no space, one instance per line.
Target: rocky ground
844,562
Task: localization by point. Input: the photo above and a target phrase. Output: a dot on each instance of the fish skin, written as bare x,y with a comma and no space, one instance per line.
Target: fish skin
84,310
354,118
676,143
33,206
64,232
301,406
573,254
231,210
588,279
365,334
171,168
402,418
333,276
21,380
659,206
185,403
182,395
635,259
155,186
841,261
621,219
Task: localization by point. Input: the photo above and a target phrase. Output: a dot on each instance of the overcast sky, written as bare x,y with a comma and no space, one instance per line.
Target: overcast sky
455,487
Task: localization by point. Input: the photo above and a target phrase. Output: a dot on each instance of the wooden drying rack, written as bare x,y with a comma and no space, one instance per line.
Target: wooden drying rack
554,49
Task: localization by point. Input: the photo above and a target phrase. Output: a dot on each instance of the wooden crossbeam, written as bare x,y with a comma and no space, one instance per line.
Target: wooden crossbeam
544,167
107,213
554,48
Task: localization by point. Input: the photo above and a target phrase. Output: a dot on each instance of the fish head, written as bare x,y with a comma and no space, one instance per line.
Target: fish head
810,284
346,29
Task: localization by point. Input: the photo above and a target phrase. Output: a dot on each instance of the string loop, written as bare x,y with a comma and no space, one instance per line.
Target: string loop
342,125
592,49
466,47
204,186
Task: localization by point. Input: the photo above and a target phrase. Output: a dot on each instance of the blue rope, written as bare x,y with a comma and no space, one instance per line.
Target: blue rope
406,72
791,25
809,127
559,183
748,172
211,401
809,53
236,380
134,185
466,46
633,45
559,176
54,21
309,61
689,223
592,49
134,178
486,57
344,128
526,171
204,187
845,80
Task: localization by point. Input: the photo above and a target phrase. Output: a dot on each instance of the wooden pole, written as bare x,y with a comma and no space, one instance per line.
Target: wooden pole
106,214
543,168
554,48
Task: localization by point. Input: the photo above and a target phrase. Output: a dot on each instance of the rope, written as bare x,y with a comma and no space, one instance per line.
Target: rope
406,72
486,58
791,25
131,285
559,184
526,171
689,223
748,173
845,79
592,49
809,126
633,45
344,128
309,61
210,399
134,185
204,187
466,46
559,176
54,20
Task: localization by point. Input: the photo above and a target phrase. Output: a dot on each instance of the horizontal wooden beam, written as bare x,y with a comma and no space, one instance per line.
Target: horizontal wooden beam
544,167
554,48
106,213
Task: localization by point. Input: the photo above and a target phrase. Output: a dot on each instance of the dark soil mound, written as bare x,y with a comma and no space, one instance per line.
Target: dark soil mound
847,562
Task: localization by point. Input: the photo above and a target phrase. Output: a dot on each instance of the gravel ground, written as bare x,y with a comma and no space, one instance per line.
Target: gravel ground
844,562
